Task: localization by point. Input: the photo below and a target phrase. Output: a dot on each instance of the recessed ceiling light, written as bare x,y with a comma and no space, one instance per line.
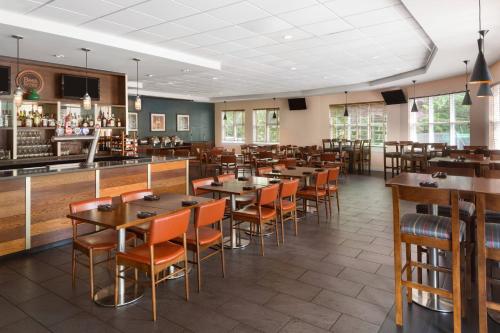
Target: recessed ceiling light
149,75
170,82
287,37
185,70
293,68
325,77
59,55
375,57
215,78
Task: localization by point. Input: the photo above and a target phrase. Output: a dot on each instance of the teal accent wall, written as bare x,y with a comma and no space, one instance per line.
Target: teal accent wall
202,118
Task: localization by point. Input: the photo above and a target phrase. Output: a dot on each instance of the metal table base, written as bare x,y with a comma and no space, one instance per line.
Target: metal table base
131,293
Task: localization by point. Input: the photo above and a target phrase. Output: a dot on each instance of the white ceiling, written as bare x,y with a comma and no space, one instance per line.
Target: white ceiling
239,48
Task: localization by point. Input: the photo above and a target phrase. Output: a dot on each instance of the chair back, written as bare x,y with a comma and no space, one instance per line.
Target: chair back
163,229
327,144
197,183
209,213
288,162
81,206
321,179
492,173
135,195
268,195
391,146
228,159
225,178
424,195
288,188
452,171
262,171
333,174
265,154
328,157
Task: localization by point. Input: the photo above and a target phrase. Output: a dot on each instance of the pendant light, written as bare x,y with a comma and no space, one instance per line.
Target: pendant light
414,107
225,109
484,90
346,112
138,102
87,101
481,72
274,112
467,100
18,93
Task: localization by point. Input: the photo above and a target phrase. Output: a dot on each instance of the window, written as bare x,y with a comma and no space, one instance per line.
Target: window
495,118
266,127
441,119
365,121
233,128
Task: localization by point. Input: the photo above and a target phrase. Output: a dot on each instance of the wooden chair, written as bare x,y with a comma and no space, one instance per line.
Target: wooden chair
437,149
492,173
332,187
392,152
417,157
205,236
327,145
197,183
287,205
263,212
93,243
366,156
430,231
228,164
357,155
317,193
140,230
159,253
488,248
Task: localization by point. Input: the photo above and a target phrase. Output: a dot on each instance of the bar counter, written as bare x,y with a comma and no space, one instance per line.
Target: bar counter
34,201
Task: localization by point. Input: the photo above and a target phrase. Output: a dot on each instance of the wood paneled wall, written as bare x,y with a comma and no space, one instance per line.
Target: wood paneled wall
169,177
12,216
114,182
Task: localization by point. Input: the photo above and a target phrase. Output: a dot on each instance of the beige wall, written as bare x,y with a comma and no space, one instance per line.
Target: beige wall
309,127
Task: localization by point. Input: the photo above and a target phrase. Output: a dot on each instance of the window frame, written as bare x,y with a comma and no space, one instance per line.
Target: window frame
226,139
494,118
267,125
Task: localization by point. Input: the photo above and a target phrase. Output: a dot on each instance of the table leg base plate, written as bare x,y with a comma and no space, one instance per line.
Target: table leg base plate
179,275
239,244
428,300
106,296
268,232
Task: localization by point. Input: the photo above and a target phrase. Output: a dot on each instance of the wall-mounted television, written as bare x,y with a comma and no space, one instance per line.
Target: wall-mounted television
73,87
4,80
297,104
394,97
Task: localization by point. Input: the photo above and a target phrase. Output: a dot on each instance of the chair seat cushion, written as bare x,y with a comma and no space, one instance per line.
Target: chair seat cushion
429,226
164,253
466,210
206,235
251,212
492,235
332,188
311,192
286,205
101,240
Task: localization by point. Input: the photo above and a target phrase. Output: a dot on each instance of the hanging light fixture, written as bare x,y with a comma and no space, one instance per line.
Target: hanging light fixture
484,90
467,100
414,107
481,72
18,93
346,112
225,109
138,102
87,101
274,112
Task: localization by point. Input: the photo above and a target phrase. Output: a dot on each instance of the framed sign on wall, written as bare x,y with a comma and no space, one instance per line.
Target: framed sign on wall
183,123
132,121
157,122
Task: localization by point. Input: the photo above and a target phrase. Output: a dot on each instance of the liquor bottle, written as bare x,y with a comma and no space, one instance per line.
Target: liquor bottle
91,121
104,121
45,121
20,119
112,121
37,119
118,122
28,122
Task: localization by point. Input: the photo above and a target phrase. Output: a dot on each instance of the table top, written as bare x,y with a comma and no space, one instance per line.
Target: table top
485,161
125,215
236,186
298,172
486,185
460,183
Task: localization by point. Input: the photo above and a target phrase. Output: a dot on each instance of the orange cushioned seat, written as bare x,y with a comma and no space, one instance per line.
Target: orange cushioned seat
206,235
252,212
164,252
102,240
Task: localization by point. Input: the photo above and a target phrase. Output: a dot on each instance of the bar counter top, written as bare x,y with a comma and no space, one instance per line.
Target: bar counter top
77,167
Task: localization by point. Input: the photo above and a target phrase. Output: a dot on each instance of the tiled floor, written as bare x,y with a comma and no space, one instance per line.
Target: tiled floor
336,276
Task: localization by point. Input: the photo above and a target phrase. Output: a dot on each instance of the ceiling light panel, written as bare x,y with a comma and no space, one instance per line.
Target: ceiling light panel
267,25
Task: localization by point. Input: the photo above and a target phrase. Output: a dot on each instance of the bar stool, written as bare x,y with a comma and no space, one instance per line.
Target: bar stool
201,237
261,213
392,152
431,231
488,248
317,193
140,230
92,243
287,204
159,253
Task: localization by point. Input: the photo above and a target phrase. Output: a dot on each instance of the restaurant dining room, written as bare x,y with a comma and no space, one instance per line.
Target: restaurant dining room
250,166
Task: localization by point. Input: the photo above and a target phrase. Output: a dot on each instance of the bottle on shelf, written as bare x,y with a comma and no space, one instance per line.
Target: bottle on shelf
91,121
104,120
112,121
37,119
118,122
28,122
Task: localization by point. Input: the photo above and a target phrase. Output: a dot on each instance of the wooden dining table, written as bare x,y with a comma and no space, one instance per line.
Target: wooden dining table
234,188
294,173
478,164
123,216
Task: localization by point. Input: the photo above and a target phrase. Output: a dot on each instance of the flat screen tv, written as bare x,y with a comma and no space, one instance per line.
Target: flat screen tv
73,87
394,97
297,104
4,80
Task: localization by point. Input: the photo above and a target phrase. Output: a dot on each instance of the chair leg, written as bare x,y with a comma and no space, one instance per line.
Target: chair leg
223,264
397,279
91,273
419,259
457,311
338,203
463,277
186,276
153,292
317,208
408,273
117,280
295,222
282,228
261,235
198,266
481,280
276,231
385,168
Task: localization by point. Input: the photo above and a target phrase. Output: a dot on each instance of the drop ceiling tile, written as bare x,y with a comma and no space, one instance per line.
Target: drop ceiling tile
292,35
93,8
256,41
389,28
177,45
227,47
204,5
327,27
201,39
232,33
125,3
379,16
60,15
165,9
308,15
144,36
202,22
107,27
20,6
238,13
281,6
306,43
247,53
170,30
133,18
350,7
276,48
267,25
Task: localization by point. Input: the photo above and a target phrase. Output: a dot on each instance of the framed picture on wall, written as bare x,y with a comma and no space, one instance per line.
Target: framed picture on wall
157,122
182,123
132,123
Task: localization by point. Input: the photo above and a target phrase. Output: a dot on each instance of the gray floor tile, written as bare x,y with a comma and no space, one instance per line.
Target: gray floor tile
49,309
83,323
288,286
348,324
337,284
21,290
27,325
297,326
9,313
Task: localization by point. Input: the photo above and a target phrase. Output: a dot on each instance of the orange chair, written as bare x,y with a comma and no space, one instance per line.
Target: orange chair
201,237
260,213
197,183
287,204
142,229
228,164
317,193
262,171
158,253
333,186
91,243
